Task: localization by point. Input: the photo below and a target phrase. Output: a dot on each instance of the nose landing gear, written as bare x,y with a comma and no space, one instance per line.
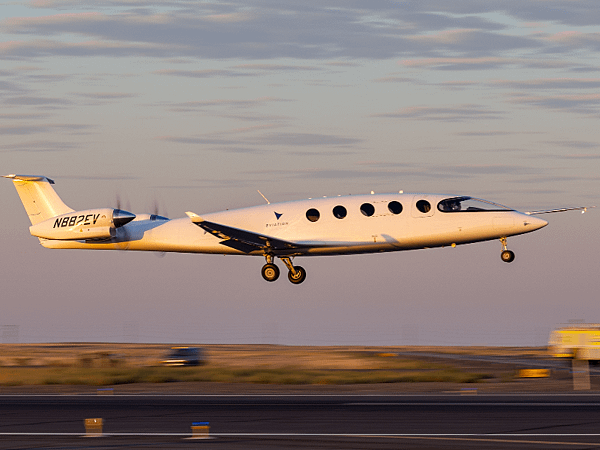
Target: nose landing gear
506,255
270,271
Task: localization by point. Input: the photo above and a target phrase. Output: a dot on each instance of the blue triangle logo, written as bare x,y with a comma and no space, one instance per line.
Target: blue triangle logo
278,215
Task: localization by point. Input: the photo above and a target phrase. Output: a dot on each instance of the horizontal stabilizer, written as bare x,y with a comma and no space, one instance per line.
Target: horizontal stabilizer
29,178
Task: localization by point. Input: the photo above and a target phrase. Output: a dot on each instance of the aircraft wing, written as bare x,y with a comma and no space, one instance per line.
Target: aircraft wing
548,211
242,240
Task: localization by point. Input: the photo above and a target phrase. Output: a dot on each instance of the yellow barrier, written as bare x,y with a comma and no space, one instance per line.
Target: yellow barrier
93,427
200,430
534,373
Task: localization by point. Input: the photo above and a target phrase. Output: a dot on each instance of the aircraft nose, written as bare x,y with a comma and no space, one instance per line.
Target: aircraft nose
534,223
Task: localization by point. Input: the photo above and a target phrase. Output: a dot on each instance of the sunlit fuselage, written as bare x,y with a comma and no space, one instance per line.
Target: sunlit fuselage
345,225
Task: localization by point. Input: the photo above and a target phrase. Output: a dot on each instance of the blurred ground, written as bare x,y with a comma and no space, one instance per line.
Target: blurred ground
501,364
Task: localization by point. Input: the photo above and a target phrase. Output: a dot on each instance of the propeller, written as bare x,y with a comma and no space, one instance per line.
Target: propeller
121,218
156,212
157,216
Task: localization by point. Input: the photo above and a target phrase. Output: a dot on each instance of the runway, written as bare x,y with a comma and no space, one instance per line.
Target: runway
450,421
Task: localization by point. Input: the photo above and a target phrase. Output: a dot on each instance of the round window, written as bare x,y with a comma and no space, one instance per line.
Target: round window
339,212
395,207
424,206
313,215
367,209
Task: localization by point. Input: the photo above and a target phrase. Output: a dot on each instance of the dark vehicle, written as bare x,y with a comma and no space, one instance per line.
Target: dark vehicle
184,356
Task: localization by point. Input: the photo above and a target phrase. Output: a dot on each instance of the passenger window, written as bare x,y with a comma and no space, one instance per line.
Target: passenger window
313,215
339,212
367,209
424,206
395,207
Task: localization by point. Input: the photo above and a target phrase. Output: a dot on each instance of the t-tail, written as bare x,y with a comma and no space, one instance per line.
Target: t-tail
52,219
39,197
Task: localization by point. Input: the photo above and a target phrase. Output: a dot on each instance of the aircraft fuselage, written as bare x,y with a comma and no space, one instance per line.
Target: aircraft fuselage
345,225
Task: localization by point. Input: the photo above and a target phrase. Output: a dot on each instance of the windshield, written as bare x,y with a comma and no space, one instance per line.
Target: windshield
469,204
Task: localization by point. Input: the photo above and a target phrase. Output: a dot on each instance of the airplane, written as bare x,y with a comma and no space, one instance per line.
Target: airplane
340,225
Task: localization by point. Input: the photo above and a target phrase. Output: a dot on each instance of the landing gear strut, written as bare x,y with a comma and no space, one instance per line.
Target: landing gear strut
296,274
506,255
270,271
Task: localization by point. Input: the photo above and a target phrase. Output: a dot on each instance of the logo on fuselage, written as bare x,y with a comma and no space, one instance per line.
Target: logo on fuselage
278,223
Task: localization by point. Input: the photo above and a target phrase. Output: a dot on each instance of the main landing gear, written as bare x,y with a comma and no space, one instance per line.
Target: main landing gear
506,255
270,271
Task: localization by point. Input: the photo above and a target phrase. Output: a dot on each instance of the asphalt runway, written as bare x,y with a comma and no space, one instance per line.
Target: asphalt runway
303,421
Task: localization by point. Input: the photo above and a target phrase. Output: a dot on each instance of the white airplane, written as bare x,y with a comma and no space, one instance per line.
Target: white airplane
324,226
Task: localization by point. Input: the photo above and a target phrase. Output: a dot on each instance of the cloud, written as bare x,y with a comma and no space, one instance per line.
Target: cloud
11,87
574,144
232,104
35,101
206,73
43,128
551,83
445,114
38,146
470,63
458,85
484,133
303,140
23,116
569,40
197,140
391,172
581,104
275,67
474,42
394,79
269,139
106,95
265,30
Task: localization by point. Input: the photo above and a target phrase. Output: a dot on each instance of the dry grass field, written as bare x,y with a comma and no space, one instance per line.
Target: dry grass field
98,364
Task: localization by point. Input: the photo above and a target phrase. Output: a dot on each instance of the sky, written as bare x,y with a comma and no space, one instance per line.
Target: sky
196,105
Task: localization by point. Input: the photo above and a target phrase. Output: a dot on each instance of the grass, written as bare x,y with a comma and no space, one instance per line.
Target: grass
113,364
112,376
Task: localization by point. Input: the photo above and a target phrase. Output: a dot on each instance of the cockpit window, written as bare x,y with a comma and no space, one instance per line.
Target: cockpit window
469,204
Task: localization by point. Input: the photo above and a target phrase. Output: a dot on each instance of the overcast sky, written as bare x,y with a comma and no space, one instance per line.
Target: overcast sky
196,105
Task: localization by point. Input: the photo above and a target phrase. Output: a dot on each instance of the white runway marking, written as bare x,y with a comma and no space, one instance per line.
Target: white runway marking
456,436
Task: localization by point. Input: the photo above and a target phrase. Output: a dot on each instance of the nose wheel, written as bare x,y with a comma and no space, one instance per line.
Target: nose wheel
506,255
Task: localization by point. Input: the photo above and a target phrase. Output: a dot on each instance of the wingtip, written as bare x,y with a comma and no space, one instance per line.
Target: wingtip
195,217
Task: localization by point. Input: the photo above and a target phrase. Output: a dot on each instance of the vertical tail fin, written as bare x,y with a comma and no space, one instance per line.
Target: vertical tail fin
39,197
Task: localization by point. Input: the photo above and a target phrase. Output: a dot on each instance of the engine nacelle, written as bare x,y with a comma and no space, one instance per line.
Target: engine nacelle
78,225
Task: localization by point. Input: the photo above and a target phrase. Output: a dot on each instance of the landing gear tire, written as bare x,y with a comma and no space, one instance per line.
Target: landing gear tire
270,272
299,276
507,256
